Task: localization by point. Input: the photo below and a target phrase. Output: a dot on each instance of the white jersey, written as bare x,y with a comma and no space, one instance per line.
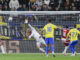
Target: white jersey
34,33
36,36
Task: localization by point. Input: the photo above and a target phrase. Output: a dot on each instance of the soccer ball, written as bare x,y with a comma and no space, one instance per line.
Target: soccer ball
26,21
10,18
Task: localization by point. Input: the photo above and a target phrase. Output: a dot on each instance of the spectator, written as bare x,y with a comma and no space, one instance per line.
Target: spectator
74,8
66,8
57,9
40,8
14,4
73,4
52,5
49,8
20,8
2,2
78,5
25,8
37,7
67,5
0,7
31,3
7,2
22,2
44,7
6,8
39,3
47,2
33,8
67,2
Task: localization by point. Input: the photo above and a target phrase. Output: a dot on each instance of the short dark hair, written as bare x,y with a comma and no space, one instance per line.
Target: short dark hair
66,26
49,20
74,26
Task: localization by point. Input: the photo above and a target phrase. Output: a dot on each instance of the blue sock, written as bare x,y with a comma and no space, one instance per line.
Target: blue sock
47,48
52,48
72,46
72,49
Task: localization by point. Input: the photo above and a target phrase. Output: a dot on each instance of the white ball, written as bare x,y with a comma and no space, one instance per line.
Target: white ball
10,19
26,21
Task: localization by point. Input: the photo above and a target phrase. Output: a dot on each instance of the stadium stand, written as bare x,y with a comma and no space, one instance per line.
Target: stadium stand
40,5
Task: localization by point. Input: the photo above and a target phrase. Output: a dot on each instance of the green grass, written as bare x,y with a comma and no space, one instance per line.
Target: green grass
38,57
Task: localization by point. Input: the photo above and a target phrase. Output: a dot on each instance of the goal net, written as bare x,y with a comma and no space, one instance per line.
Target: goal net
13,31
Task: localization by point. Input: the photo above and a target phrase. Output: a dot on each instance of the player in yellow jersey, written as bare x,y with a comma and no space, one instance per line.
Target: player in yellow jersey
73,39
49,35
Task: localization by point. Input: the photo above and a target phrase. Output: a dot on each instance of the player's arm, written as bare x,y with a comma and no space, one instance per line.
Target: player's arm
56,27
40,33
68,35
31,35
78,32
26,22
32,28
44,30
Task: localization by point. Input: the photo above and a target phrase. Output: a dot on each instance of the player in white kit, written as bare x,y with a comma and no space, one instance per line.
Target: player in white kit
37,37
1,47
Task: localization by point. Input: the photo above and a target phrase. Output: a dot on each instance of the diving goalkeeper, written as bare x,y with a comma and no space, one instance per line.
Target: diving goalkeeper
37,37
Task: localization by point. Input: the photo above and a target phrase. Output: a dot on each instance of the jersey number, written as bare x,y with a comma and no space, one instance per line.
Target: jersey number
49,29
74,34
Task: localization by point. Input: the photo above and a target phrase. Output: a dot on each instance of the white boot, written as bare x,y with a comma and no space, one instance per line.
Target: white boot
73,54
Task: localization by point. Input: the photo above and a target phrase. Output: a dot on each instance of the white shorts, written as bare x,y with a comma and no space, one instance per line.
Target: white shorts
40,41
63,39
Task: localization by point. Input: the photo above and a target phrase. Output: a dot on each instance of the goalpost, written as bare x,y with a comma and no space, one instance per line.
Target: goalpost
12,26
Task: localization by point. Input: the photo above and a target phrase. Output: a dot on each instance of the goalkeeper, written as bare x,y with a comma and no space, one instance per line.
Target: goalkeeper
36,36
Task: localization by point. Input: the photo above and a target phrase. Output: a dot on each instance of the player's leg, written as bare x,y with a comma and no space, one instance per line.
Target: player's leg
64,52
1,47
43,42
72,50
51,40
38,46
47,47
75,43
66,46
63,41
72,47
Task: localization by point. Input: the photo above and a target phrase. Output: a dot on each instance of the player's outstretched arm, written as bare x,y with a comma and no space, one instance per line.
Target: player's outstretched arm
32,28
61,28
78,32
68,35
26,22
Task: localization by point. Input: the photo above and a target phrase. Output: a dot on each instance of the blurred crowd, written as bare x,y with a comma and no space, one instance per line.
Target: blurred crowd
40,5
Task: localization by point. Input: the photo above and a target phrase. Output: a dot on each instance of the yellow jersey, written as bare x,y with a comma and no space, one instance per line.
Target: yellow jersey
74,34
49,29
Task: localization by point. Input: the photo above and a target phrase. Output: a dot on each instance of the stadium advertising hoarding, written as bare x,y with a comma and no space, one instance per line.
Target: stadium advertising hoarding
16,31
29,46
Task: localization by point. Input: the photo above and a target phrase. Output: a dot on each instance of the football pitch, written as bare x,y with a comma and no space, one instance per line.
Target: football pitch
38,57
